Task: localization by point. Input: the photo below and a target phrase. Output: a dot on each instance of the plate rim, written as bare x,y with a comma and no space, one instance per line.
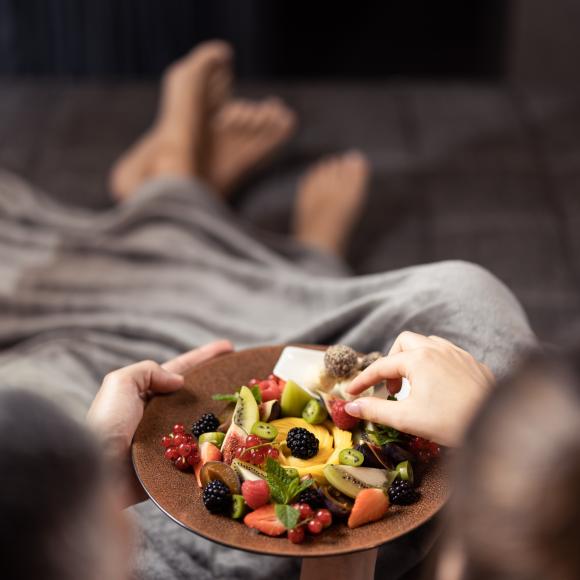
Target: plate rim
278,554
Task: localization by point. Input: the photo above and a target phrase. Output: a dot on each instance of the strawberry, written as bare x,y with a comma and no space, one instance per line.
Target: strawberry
271,388
256,493
370,505
264,519
340,417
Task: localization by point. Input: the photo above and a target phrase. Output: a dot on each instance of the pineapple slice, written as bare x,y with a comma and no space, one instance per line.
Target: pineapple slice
332,441
342,440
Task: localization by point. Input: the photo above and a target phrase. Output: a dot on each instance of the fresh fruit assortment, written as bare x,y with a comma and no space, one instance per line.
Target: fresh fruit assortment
287,459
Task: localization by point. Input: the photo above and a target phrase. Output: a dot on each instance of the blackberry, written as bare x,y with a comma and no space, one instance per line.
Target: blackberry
302,443
207,423
312,498
402,492
217,497
340,361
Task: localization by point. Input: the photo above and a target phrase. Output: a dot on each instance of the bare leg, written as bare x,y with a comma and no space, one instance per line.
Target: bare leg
193,89
330,200
200,132
353,567
245,135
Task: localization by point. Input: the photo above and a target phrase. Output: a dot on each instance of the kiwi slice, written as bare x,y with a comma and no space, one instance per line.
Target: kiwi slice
215,437
294,399
264,430
247,471
314,412
351,457
405,471
352,480
239,507
246,412
292,472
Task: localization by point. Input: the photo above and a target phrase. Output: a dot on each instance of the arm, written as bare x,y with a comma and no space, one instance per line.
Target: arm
447,387
359,566
120,403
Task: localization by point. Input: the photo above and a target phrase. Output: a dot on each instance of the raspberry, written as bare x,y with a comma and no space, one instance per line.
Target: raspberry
256,493
302,443
340,417
217,497
205,424
402,493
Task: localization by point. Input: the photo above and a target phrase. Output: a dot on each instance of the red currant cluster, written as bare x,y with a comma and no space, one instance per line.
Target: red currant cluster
310,520
180,448
256,450
425,450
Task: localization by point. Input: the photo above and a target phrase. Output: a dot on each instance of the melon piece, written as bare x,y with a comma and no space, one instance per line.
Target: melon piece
294,399
370,505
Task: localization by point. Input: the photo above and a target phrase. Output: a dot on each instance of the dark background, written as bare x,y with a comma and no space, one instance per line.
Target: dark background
468,111
273,39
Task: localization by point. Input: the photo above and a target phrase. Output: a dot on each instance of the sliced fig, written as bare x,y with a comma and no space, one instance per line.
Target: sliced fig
270,411
339,504
388,455
213,470
207,452
392,454
369,455
235,437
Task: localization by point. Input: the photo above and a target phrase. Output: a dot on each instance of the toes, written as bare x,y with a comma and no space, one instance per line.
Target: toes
212,52
270,115
205,59
338,168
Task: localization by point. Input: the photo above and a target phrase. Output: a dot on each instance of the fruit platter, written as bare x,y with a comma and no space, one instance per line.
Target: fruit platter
258,452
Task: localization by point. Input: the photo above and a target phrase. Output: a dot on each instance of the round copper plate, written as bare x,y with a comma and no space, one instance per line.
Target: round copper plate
177,495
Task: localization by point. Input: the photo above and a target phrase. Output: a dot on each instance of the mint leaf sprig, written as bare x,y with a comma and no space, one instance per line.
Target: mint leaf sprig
283,486
229,398
233,398
288,515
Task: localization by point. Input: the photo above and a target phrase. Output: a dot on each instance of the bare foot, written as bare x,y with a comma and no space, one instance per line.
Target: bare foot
330,200
244,135
193,89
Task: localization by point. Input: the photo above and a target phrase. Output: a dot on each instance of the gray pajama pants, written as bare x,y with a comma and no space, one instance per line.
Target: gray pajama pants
83,293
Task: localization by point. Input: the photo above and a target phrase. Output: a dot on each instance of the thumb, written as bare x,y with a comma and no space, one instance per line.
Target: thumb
377,410
164,381
147,376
